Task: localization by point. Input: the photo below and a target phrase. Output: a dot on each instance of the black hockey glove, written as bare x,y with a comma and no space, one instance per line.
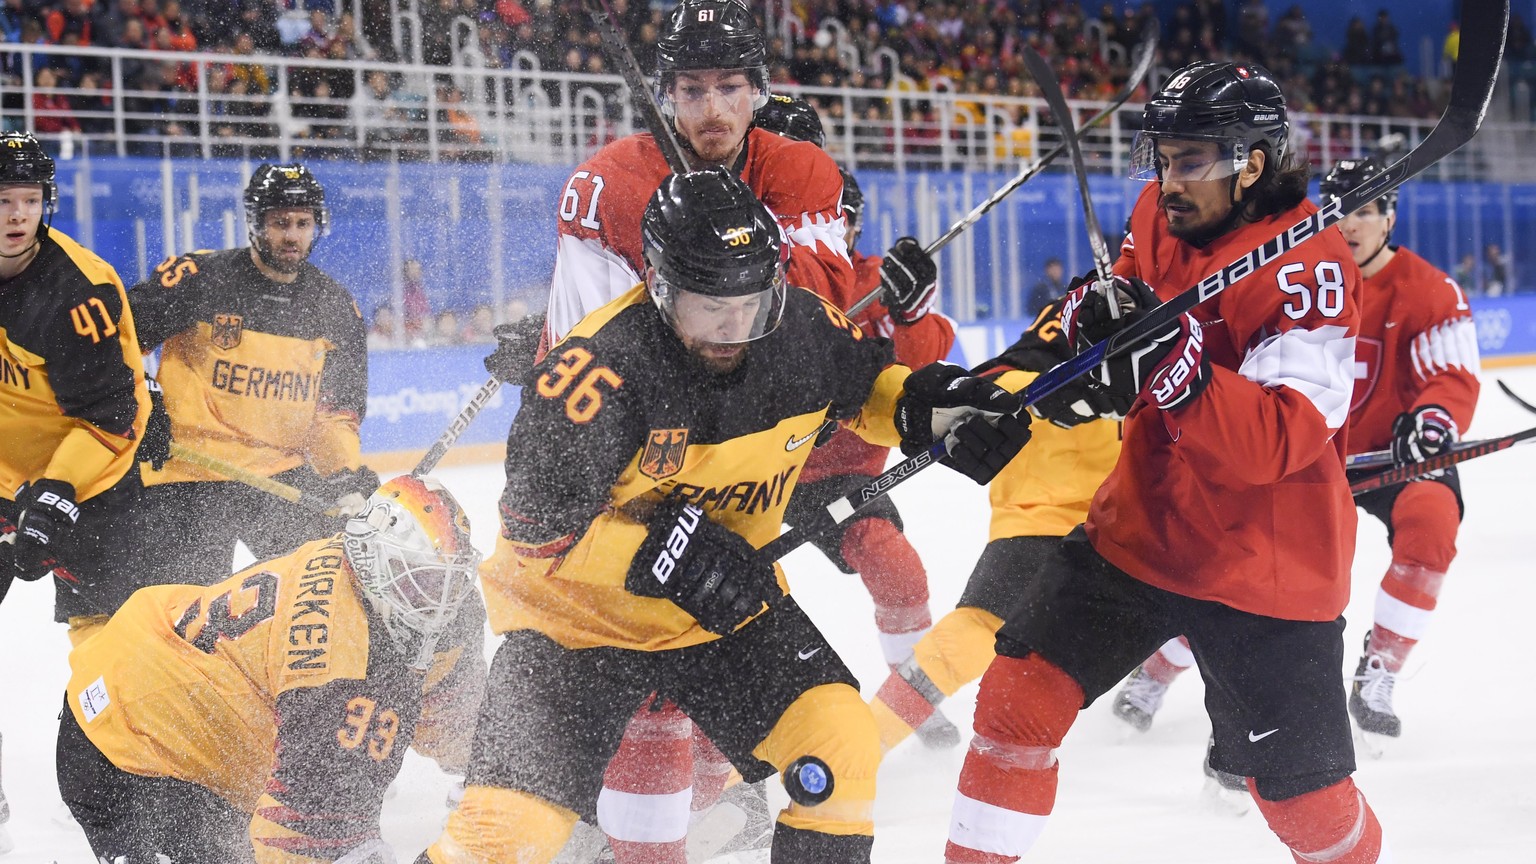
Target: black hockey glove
48,514
910,280
1426,431
988,430
155,448
1043,346
710,571
350,489
516,345
1168,368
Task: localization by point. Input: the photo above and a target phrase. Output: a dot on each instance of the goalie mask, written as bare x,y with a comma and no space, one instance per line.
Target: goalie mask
410,551
716,258
283,187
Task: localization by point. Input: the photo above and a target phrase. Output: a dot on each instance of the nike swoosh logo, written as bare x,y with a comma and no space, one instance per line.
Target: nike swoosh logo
1391,324
794,443
806,655
1252,738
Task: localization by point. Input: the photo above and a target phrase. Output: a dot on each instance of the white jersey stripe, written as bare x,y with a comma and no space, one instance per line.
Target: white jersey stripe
989,828
817,228
1453,344
1319,364
588,276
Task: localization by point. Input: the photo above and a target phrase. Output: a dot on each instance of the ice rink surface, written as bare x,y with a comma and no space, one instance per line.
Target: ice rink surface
1457,787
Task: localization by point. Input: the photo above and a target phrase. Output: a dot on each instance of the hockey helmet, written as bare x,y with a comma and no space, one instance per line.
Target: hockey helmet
853,207
410,551
1237,105
283,187
23,162
705,235
791,117
711,34
1351,173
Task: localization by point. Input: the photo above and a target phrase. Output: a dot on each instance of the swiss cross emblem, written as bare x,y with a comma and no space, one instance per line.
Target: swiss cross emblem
1367,369
664,452
226,330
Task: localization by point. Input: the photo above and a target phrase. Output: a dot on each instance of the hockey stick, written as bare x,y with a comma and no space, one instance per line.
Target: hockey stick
1050,88
1142,62
1518,401
292,494
1484,21
1471,450
640,93
457,427
1377,458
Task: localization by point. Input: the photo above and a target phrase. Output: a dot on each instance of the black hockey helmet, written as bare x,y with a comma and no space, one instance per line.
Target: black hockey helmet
853,207
1238,105
705,233
1350,173
791,117
23,161
712,34
283,187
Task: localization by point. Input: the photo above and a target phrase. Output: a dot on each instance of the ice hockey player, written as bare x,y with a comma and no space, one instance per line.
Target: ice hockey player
73,402
1418,388
634,572
874,546
264,364
261,718
1231,483
1041,496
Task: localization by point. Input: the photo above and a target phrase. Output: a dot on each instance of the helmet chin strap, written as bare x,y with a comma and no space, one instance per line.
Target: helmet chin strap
35,243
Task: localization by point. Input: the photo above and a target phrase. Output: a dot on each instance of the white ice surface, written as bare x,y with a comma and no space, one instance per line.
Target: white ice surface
1456,787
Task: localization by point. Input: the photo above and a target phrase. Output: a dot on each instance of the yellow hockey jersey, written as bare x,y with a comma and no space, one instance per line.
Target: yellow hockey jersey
619,416
279,690
1045,491
72,399
262,374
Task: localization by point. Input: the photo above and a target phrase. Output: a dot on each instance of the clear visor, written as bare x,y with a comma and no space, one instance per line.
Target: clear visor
719,320
734,91
1165,158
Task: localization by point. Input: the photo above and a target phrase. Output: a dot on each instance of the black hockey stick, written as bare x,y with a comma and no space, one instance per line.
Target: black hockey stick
1484,23
1461,453
1518,401
640,93
1142,62
1050,88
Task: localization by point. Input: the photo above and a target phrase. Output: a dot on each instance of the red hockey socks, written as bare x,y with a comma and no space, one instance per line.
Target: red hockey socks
1329,826
711,772
1008,783
894,576
1424,524
1169,661
644,805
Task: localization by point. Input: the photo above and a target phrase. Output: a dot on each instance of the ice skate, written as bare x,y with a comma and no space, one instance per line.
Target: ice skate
938,733
737,830
1139,699
1224,793
1370,704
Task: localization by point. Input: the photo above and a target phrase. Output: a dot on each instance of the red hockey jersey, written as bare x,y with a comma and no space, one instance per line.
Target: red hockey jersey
1240,497
599,252
1417,347
926,341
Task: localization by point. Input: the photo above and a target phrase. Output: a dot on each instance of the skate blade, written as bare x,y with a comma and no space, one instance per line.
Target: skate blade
1222,801
1372,744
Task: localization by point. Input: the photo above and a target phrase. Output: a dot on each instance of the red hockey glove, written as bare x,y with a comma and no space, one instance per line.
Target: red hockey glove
1426,431
910,279
1168,368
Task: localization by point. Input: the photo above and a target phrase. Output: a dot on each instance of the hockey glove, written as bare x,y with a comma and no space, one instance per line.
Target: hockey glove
351,489
941,399
516,345
1426,431
708,570
155,448
910,280
1043,346
48,513
1168,368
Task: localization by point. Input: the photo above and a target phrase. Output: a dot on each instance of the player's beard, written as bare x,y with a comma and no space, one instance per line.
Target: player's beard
1192,223
717,358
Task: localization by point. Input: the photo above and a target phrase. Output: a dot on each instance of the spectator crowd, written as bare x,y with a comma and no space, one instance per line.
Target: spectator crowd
937,45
